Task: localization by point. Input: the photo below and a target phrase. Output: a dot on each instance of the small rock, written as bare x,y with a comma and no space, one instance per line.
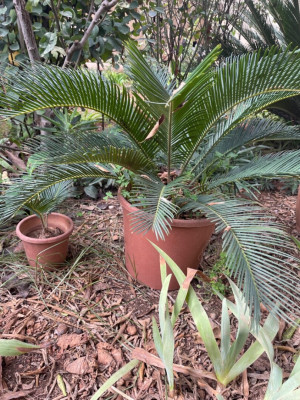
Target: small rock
131,330
61,329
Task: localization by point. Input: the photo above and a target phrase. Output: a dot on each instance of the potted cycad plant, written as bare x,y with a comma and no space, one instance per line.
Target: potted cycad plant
173,140
45,234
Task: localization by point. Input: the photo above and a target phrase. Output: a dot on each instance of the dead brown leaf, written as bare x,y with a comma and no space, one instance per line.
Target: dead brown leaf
104,357
118,356
61,329
79,366
189,277
71,340
156,127
104,351
123,318
27,386
282,325
150,359
15,395
88,208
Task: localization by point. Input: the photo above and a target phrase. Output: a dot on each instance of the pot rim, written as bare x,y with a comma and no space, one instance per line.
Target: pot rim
55,239
179,223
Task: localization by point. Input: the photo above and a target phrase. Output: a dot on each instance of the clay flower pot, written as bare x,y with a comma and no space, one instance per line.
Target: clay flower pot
298,211
185,244
48,253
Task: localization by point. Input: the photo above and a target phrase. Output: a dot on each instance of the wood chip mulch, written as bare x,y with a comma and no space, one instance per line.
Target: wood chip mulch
92,316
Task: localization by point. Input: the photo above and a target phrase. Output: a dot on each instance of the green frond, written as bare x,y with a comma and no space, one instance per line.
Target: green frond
244,85
225,139
48,86
201,75
49,199
26,189
157,210
152,81
279,165
286,13
88,149
261,24
253,243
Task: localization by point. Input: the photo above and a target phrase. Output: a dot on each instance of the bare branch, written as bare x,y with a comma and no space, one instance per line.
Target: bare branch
78,45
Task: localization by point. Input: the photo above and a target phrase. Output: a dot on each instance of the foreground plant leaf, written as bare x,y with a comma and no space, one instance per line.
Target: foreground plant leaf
15,347
226,361
114,378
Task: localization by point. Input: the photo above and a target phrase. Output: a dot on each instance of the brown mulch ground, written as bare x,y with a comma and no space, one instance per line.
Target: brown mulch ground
93,316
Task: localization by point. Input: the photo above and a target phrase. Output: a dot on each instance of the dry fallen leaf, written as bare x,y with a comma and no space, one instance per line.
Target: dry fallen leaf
79,366
118,356
104,357
103,352
71,340
15,395
101,286
27,386
88,208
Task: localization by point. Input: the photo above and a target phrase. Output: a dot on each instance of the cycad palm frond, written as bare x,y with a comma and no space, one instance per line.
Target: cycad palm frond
157,210
151,81
260,22
223,140
87,149
283,164
268,23
51,197
247,84
26,190
253,242
46,86
287,15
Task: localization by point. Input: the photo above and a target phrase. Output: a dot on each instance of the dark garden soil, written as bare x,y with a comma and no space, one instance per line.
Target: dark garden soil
92,316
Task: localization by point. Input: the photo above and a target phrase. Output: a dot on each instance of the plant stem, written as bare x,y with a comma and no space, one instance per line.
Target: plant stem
169,142
44,223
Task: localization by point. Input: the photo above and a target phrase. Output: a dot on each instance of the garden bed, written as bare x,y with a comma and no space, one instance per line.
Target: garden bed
93,315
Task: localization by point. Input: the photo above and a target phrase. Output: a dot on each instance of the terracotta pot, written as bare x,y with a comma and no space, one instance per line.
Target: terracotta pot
47,253
185,244
298,211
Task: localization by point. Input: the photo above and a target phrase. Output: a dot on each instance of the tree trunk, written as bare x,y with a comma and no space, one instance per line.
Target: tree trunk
27,32
25,24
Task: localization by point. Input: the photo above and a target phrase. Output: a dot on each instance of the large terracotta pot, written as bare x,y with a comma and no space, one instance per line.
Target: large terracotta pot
185,244
48,253
298,211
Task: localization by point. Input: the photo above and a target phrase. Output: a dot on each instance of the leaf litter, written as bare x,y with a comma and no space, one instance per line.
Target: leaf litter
95,317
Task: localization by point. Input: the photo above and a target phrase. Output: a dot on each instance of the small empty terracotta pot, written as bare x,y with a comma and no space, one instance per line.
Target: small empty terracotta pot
49,253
